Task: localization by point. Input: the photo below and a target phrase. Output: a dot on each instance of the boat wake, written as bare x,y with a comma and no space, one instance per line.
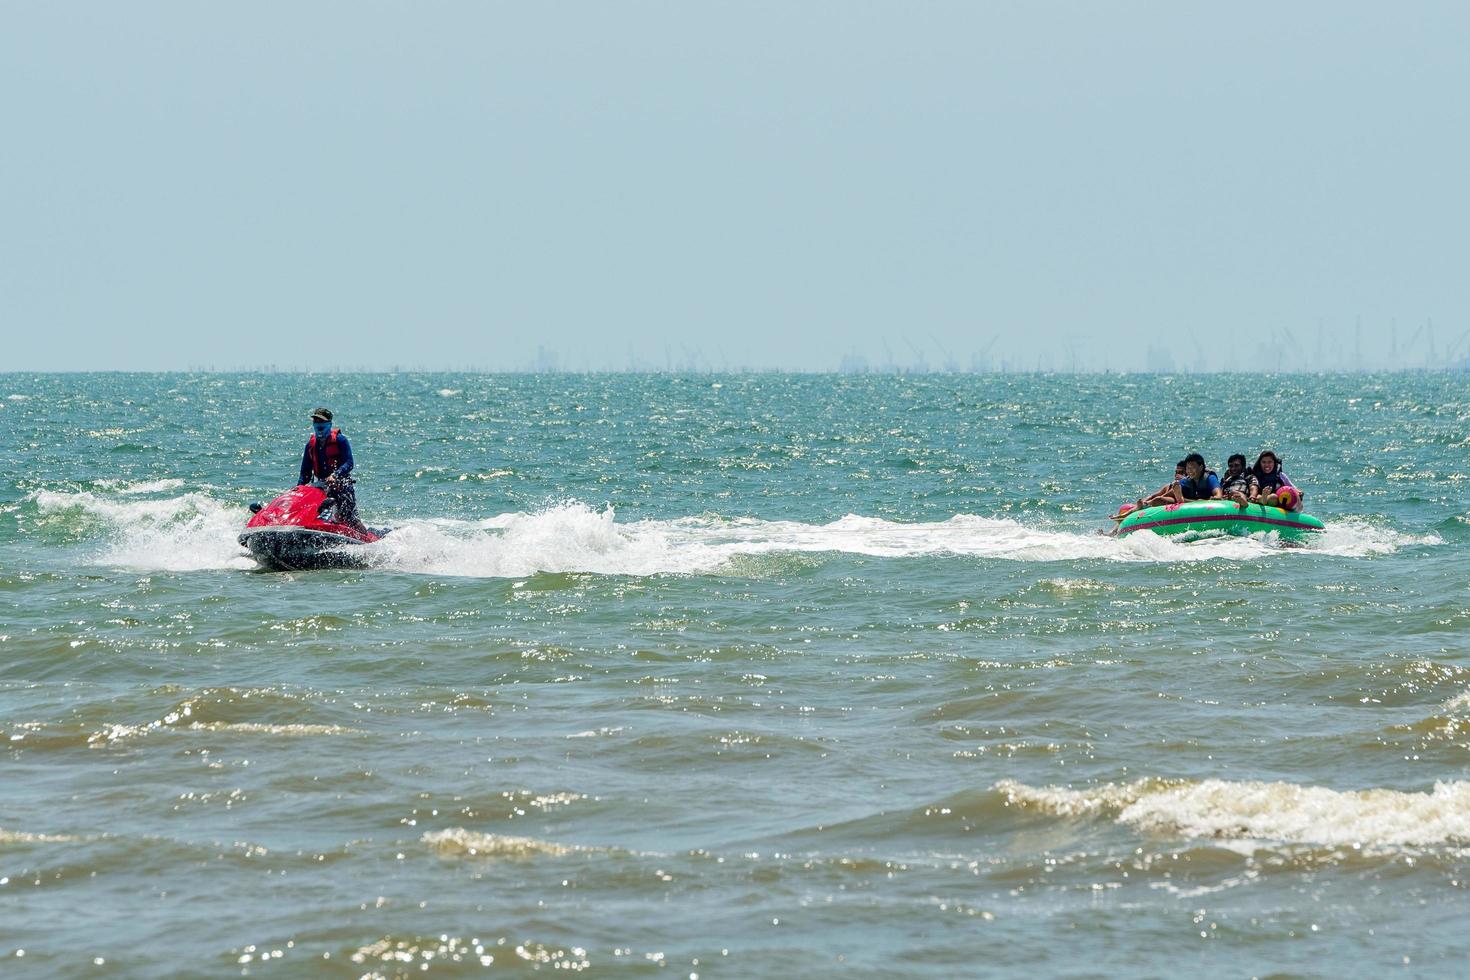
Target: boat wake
190,532
194,531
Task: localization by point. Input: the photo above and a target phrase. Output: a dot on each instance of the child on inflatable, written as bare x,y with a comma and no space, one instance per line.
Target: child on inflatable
1163,495
1273,488
1238,483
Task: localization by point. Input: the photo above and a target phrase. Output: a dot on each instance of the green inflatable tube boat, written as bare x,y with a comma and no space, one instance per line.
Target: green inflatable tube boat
1220,517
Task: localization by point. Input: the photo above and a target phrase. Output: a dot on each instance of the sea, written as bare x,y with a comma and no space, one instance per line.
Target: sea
761,675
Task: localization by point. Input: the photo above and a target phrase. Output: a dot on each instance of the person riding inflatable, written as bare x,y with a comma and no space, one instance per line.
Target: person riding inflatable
327,460
1200,482
1274,488
1238,483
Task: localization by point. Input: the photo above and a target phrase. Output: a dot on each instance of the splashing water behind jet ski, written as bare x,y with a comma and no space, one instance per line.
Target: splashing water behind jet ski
299,531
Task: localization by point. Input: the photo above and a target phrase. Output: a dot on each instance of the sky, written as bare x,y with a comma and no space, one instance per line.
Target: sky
725,186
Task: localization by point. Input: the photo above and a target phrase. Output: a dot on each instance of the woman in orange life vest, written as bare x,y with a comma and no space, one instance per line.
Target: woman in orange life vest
328,458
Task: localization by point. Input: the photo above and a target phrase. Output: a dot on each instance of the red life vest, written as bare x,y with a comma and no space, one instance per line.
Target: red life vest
334,455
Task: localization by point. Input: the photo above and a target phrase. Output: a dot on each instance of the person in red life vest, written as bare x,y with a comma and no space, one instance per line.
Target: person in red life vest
328,460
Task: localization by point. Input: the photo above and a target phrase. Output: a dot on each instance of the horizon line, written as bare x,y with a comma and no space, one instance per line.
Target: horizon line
1457,368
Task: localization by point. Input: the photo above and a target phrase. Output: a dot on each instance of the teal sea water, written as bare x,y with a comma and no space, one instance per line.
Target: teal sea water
732,676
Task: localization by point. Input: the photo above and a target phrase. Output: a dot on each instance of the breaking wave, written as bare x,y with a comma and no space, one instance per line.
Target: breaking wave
116,733
458,842
195,531
1260,811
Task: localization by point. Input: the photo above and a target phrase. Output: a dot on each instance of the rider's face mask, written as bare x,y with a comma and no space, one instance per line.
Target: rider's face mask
323,429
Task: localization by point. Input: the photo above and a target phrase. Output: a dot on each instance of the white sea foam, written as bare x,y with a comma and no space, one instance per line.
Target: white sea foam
1354,537
565,538
116,733
194,531
576,538
1459,704
140,487
1282,812
573,537
186,533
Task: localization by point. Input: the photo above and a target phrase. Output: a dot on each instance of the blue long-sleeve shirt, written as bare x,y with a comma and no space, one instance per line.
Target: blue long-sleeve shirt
344,464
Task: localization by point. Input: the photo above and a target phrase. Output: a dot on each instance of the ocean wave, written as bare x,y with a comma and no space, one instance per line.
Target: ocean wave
194,531
22,837
218,710
201,712
1261,811
116,733
411,956
458,842
1459,704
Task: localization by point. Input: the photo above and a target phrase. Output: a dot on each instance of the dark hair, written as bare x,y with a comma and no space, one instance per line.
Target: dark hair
1234,457
1180,465
322,415
1196,458
1274,458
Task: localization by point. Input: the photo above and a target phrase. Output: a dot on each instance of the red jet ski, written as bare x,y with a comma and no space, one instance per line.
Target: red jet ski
298,531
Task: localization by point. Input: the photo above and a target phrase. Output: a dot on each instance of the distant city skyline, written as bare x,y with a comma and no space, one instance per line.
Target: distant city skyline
1391,349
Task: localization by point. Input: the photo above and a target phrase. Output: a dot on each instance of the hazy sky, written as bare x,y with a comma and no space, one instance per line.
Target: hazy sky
457,184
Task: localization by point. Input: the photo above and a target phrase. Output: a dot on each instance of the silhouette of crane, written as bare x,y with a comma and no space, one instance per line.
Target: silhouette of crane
1449,356
921,363
1414,339
951,366
980,361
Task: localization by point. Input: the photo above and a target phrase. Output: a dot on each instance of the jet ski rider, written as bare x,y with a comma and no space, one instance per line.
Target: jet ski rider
328,459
